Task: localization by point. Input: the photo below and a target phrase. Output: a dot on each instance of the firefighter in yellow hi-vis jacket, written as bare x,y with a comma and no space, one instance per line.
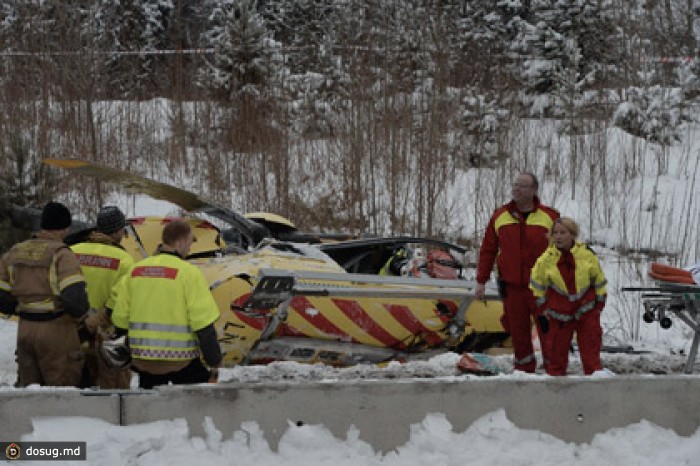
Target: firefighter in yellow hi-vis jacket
41,282
104,262
166,307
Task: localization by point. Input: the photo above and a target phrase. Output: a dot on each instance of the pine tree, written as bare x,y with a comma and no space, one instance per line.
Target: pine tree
129,32
244,71
563,42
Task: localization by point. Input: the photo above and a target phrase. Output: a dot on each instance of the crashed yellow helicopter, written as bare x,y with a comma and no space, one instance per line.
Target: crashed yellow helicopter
295,297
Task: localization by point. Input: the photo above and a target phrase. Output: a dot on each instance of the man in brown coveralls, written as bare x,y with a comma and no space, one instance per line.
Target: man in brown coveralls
41,282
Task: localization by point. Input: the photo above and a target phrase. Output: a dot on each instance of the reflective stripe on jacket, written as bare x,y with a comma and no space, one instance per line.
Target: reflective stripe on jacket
35,271
103,263
568,285
514,243
162,302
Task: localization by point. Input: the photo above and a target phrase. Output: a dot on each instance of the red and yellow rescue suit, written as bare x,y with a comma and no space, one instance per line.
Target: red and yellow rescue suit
570,288
41,282
514,241
104,262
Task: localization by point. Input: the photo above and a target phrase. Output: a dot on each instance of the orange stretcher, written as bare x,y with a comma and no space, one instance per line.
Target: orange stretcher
666,273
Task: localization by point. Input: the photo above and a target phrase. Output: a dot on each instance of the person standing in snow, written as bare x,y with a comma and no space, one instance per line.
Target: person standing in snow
570,288
165,306
515,237
104,262
41,282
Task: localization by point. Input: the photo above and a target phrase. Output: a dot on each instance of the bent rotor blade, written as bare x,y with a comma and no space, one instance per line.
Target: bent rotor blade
162,191
132,182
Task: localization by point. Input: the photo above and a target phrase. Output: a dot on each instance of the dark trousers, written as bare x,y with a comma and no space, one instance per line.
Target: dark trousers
194,372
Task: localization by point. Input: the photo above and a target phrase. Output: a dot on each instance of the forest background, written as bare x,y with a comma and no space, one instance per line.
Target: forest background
377,117
374,117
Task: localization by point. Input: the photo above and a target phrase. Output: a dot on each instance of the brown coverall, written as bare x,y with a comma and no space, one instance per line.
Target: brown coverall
42,276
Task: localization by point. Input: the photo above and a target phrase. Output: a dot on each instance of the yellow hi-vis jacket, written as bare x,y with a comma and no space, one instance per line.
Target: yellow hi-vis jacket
550,275
162,302
103,262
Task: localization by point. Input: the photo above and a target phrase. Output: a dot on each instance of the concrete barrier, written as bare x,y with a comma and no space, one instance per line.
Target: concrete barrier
19,407
572,408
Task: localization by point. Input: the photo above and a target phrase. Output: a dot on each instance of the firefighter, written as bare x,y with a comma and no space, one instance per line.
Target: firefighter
165,306
41,282
103,261
570,288
515,237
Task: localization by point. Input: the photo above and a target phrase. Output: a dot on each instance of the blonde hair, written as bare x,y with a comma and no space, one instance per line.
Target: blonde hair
569,224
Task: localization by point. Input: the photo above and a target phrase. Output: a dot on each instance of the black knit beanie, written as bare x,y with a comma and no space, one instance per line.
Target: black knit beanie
110,220
55,216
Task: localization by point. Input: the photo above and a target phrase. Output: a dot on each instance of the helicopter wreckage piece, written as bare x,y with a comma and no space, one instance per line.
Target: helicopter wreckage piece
308,301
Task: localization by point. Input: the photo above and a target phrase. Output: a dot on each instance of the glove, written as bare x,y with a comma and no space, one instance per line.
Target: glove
115,353
88,325
543,322
599,307
502,288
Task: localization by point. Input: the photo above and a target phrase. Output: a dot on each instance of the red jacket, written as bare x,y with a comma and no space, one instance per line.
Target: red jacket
514,243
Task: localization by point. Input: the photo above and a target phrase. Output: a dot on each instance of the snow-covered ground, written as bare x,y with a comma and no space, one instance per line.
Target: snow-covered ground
492,440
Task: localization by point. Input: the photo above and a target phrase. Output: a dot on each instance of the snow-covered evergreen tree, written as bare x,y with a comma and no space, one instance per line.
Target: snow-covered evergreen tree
563,43
244,73
245,55
310,32
656,114
128,32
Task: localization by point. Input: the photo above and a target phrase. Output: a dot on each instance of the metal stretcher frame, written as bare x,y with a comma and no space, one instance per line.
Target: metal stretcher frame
679,299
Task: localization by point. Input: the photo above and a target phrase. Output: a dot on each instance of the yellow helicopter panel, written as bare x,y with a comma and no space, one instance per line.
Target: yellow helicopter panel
335,307
145,235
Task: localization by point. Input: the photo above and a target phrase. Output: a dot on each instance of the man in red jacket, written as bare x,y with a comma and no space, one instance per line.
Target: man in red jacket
515,237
